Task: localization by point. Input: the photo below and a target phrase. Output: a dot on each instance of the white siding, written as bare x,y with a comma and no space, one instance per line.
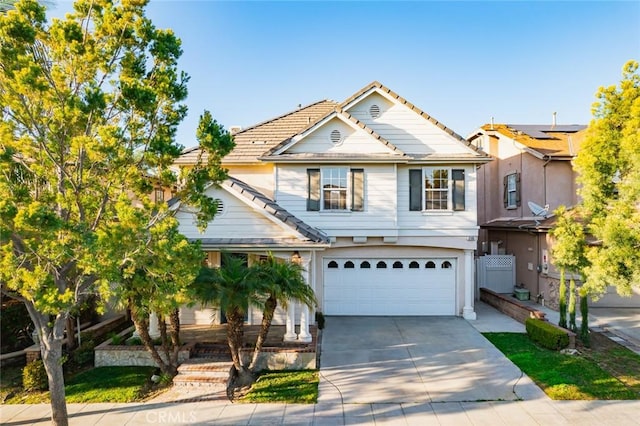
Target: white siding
407,130
355,141
419,223
378,218
237,221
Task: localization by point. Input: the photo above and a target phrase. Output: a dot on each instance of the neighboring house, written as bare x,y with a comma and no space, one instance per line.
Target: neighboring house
532,163
375,197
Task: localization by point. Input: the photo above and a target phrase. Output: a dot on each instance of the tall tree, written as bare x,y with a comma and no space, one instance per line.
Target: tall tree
609,174
569,256
89,110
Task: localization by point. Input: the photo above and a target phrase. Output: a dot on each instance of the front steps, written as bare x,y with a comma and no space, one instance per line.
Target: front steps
203,372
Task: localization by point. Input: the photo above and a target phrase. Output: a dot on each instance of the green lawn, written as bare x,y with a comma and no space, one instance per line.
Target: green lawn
285,386
101,384
569,377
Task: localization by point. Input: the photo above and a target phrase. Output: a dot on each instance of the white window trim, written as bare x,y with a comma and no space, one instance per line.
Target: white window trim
449,209
513,191
348,190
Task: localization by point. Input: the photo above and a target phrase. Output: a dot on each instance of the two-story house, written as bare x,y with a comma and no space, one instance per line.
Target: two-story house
375,197
532,168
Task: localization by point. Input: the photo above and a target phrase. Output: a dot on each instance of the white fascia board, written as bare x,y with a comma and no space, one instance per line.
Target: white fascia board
262,211
366,94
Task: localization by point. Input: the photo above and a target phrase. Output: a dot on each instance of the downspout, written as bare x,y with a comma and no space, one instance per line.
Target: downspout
544,178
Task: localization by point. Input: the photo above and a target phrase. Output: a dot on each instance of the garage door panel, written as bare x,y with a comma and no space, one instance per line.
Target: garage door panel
412,287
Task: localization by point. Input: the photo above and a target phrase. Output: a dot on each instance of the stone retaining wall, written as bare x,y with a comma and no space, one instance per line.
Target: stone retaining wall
283,359
510,306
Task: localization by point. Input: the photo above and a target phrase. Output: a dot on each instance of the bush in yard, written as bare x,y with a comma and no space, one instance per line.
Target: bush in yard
34,376
546,335
84,353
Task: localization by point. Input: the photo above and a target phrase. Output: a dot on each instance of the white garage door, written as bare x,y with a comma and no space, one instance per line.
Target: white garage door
389,286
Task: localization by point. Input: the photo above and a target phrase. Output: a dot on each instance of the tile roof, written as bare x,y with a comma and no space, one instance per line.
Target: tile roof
256,140
546,140
312,234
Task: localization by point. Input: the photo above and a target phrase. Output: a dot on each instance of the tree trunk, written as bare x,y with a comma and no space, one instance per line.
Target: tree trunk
142,327
267,316
235,336
71,334
584,326
51,339
572,306
562,296
174,333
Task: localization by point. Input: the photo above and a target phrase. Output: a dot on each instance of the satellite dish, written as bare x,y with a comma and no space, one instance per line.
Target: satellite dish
538,210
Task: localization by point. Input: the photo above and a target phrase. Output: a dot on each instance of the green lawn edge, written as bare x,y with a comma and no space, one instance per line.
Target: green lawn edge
561,376
288,386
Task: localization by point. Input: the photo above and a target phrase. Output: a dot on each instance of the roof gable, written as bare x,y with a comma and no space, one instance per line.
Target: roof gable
413,131
336,133
260,218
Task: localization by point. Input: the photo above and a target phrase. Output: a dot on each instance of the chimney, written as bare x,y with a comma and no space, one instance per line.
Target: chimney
554,120
492,123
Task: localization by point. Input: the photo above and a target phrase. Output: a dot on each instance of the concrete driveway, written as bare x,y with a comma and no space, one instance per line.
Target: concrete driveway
415,359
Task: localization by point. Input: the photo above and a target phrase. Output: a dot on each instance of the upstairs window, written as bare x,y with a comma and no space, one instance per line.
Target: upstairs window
159,195
335,189
511,185
436,189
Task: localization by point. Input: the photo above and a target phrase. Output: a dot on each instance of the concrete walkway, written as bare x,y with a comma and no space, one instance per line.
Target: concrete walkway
538,411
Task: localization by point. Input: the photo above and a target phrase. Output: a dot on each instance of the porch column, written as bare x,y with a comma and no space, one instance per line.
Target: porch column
469,286
304,335
290,333
154,330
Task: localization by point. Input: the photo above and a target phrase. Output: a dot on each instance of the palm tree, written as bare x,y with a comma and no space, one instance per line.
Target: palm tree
282,282
234,288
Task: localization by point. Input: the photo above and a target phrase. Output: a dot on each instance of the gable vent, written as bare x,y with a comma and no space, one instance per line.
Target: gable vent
220,210
374,111
335,137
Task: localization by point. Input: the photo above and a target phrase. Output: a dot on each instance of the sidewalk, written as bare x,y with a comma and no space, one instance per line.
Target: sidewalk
534,412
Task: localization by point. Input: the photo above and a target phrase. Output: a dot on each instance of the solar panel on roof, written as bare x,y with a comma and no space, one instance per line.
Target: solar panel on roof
539,131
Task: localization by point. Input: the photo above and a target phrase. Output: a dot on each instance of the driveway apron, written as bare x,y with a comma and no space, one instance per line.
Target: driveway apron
415,359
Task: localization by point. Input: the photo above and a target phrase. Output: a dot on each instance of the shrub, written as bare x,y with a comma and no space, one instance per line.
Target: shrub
116,339
34,376
546,334
320,320
84,353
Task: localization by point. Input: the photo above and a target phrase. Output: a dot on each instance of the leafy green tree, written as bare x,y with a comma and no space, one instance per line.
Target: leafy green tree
569,256
282,282
89,110
609,175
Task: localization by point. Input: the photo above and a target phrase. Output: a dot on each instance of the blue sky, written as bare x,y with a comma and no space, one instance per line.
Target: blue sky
461,62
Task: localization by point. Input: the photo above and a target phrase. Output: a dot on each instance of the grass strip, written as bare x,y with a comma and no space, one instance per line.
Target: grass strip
299,387
562,377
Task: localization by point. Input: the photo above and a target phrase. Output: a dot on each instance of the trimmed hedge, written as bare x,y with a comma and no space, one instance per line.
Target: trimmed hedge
34,376
546,335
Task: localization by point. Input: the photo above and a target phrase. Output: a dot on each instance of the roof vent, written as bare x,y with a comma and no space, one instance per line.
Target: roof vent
220,210
335,137
374,111
235,129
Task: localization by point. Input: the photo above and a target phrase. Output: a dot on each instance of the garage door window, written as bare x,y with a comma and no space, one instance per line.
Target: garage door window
397,265
446,264
333,264
348,264
365,265
430,265
381,265
414,265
